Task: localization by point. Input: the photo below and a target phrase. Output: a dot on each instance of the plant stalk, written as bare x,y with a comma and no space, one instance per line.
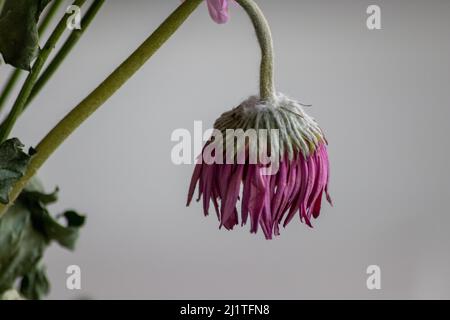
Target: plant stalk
264,35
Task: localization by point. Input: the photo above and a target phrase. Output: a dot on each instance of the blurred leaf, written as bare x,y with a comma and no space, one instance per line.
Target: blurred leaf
26,230
34,284
21,246
74,219
11,294
67,235
13,163
19,39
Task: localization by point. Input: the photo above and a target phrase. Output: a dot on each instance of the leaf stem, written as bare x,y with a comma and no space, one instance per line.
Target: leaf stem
264,35
19,104
65,50
15,75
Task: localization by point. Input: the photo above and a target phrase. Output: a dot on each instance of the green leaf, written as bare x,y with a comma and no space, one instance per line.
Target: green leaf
74,219
67,235
19,39
26,230
13,163
21,245
43,198
35,284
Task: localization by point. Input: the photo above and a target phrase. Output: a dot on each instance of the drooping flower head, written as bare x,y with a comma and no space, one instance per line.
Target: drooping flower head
268,198
267,160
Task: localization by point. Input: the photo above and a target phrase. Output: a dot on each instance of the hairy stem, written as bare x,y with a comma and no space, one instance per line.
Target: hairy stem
15,75
25,92
264,35
65,49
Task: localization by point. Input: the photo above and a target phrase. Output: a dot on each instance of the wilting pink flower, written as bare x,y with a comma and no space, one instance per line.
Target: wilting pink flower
218,10
267,200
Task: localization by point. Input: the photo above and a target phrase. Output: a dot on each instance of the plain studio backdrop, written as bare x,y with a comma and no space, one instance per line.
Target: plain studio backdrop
382,98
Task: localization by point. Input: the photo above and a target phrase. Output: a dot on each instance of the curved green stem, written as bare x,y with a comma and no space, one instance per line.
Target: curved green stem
264,35
65,49
24,94
15,75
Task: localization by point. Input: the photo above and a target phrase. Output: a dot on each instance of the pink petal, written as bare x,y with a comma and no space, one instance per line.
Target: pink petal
299,185
194,180
218,10
232,194
208,177
256,202
246,195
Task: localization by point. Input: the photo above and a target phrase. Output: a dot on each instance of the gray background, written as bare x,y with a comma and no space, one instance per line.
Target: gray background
382,98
